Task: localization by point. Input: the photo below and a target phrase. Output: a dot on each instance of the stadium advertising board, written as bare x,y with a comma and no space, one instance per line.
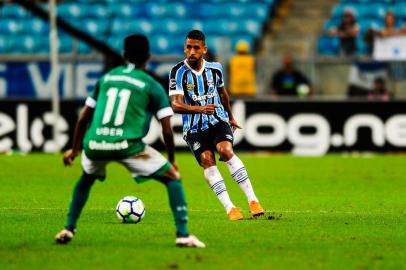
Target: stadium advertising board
32,79
303,128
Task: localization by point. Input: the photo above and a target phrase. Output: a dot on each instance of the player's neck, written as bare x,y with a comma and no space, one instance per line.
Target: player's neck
197,66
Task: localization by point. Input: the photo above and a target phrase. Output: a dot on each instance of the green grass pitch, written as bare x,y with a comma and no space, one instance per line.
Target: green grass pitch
334,212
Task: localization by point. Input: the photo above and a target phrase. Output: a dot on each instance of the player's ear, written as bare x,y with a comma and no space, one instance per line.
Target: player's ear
205,49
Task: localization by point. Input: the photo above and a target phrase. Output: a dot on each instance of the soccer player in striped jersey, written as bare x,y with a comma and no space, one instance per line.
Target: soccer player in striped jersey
115,118
197,91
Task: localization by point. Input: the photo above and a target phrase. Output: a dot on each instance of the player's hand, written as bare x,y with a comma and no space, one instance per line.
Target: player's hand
209,109
69,156
176,171
175,165
234,125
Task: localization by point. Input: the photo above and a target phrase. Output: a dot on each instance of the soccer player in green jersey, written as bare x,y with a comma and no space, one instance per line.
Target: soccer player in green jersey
115,118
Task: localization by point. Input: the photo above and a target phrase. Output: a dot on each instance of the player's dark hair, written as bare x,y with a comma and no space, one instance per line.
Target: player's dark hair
136,49
197,35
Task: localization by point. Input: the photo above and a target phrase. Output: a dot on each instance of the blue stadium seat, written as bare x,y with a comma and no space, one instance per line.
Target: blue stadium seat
193,24
155,10
178,10
142,26
161,44
69,11
34,26
233,10
328,46
350,1
222,27
94,27
116,42
24,44
65,44
170,26
206,11
42,45
83,9
10,26
165,20
211,27
375,1
339,9
257,11
177,44
400,10
13,11
251,27
124,10
119,26
4,48
374,11
83,48
100,12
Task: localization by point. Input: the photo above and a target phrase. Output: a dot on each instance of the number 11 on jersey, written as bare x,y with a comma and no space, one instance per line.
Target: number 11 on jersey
124,97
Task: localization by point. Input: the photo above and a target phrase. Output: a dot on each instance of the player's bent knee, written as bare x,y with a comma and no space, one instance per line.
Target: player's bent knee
226,153
207,161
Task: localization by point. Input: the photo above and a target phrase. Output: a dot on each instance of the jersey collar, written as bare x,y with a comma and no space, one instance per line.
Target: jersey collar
194,71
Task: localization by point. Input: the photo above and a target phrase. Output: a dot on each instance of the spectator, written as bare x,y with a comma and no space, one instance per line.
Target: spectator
379,91
288,81
390,28
242,71
347,31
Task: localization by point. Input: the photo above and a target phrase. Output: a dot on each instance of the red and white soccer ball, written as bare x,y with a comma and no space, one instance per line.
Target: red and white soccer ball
130,209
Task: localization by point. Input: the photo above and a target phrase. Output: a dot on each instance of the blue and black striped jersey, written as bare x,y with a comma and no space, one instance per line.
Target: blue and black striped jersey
199,88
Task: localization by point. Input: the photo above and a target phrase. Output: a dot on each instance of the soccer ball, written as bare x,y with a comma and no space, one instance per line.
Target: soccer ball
130,209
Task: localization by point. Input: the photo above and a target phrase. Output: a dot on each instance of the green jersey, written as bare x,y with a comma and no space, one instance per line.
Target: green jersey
124,101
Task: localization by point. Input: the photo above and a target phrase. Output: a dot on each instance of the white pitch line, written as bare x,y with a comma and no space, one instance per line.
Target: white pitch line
205,210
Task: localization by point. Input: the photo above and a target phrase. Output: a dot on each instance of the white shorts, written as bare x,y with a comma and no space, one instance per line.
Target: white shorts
141,165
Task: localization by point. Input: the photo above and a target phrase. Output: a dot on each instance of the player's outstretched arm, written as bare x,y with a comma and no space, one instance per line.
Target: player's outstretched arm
81,126
168,139
179,106
225,100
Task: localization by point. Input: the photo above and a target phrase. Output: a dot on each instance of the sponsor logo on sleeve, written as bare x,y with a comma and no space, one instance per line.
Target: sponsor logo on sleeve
172,84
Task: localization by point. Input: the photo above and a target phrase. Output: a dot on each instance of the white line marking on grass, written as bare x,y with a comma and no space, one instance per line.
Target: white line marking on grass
209,210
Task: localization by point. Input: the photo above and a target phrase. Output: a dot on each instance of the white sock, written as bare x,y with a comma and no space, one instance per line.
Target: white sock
240,175
216,182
